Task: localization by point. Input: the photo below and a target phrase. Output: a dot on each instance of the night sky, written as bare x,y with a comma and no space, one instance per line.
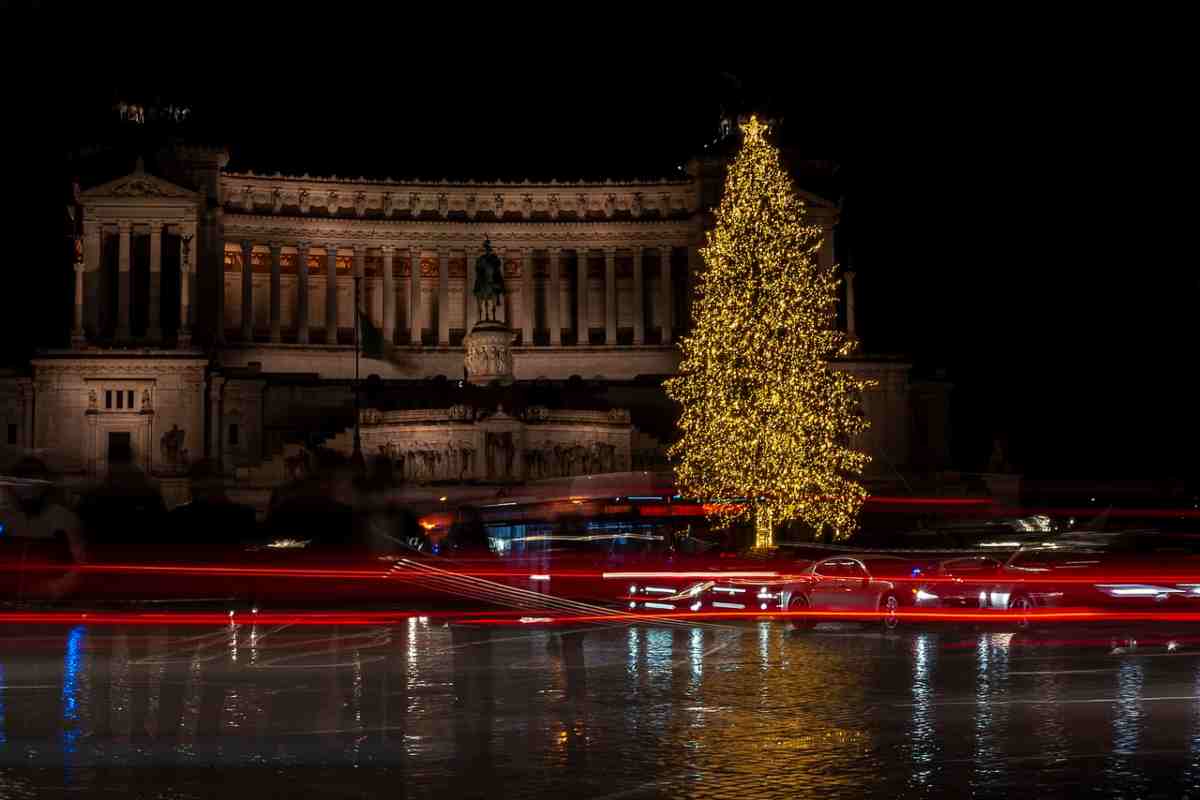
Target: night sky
994,237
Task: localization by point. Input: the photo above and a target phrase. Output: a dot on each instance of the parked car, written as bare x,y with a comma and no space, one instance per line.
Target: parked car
862,583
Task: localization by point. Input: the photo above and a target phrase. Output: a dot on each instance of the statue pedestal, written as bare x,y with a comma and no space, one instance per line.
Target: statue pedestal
489,353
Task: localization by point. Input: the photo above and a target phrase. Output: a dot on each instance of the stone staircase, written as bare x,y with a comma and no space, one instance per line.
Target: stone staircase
274,470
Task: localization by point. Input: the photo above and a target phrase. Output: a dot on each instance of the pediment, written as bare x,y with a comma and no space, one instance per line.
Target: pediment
139,185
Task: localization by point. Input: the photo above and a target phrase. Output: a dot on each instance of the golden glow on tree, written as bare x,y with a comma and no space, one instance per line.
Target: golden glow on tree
765,415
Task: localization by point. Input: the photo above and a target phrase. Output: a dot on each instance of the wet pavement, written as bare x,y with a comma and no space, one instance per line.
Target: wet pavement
745,710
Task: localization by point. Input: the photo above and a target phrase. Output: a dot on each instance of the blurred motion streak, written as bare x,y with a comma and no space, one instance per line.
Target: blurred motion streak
525,617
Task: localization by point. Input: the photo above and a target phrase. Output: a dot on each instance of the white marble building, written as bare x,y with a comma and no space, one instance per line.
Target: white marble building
214,310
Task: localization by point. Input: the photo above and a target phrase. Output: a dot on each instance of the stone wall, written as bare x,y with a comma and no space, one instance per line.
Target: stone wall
462,444
16,414
75,415
530,363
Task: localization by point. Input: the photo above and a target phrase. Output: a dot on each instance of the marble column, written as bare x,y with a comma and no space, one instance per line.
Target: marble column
154,330
91,255
358,292
247,291
77,329
186,243
825,253
553,301
581,296
610,296
414,297
527,301
443,301
214,250
123,282
664,292
276,292
302,292
331,309
470,307
389,297
503,305
639,296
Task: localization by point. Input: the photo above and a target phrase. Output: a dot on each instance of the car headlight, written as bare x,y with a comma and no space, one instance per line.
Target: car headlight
1136,590
921,594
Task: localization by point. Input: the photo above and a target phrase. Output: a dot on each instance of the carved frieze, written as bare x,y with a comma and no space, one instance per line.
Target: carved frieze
529,200
618,416
460,413
461,234
137,186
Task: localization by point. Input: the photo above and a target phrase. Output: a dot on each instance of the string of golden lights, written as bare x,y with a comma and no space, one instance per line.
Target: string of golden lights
764,413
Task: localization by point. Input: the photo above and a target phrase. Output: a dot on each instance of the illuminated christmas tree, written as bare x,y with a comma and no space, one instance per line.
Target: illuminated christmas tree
766,416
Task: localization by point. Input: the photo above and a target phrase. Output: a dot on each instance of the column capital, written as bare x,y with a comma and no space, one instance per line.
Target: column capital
276,247
80,267
302,246
387,248
247,244
124,225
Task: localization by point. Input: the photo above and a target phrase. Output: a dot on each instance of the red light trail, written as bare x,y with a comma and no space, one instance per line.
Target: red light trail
389,572
555,616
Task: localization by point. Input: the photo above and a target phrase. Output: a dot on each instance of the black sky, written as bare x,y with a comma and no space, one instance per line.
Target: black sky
997,235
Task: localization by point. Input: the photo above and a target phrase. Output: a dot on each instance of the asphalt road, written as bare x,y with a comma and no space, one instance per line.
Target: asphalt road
746,710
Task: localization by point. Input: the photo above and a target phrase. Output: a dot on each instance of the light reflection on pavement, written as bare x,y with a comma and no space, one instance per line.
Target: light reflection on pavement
747,709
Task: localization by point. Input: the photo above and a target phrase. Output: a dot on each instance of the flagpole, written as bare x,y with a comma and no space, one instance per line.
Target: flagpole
357,457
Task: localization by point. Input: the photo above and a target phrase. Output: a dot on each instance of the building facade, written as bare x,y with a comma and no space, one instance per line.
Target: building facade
214,312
